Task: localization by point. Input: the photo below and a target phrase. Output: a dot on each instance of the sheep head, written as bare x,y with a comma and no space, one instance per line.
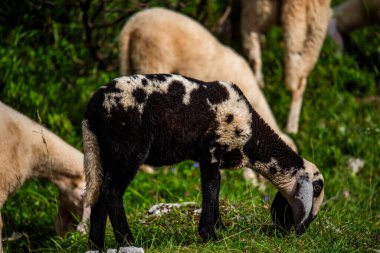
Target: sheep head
299,204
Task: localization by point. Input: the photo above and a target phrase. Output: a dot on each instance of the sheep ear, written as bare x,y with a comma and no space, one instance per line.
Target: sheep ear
281,211
303,204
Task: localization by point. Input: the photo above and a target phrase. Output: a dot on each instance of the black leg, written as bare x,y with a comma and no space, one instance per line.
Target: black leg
218,223
115,208
210,207
98,220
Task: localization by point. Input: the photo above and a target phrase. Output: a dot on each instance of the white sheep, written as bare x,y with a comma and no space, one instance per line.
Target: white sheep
29,150
304,24
157,40
351,15
162,119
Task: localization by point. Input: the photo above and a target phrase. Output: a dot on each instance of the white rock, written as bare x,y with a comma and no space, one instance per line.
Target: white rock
355,164
130,250
162,208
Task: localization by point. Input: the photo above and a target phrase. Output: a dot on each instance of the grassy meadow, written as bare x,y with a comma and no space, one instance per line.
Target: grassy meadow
47,66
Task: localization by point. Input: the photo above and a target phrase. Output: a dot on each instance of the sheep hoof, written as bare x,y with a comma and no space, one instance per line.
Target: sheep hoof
208,236
220,225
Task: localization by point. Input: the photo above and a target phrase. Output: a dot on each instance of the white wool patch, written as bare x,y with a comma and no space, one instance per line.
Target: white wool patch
188,90
263,168
284,182
213,158
128,84
305,196
110,101
241,122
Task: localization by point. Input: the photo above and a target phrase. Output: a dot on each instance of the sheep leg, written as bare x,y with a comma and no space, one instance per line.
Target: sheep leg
305,25
254,55
218,223
98,220
116,212
295,107
210,207
295,31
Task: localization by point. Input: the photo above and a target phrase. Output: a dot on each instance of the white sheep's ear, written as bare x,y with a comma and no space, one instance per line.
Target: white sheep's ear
303,204
282,214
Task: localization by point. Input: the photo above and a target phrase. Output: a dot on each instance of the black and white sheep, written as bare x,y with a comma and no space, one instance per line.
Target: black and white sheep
158,40
29,150
162,119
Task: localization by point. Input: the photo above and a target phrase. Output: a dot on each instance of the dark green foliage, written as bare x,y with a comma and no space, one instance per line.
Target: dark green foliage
54,54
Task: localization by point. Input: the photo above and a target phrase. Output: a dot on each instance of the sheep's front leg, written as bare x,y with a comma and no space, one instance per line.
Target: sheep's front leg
98,220
210,179
218,223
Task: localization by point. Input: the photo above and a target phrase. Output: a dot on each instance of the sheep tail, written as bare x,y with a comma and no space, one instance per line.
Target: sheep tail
92,165
124,41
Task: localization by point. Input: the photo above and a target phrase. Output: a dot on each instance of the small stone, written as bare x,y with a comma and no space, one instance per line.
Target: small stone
132,249
355,164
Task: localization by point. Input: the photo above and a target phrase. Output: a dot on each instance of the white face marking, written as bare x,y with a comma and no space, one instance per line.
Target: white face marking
305,196
314,175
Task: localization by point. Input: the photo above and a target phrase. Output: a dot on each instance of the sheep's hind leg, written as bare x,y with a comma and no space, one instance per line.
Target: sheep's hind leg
98,220
210,179
116,211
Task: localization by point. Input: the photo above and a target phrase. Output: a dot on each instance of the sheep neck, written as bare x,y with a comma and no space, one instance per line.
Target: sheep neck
55,160
272,157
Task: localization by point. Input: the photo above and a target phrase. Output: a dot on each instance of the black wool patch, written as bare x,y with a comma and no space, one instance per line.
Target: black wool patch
199,82
229,118
111,87
238,132
232,158
159,77
139,95
217,93
272,169
144,82
176,91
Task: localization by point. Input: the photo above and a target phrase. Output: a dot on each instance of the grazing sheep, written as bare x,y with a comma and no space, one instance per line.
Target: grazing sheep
351,15
162,119
304,23
162,41
29,150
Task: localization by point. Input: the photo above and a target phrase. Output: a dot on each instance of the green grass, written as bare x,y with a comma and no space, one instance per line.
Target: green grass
340,120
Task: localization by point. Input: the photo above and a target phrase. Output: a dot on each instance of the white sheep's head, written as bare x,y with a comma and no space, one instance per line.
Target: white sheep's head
71,204
299,204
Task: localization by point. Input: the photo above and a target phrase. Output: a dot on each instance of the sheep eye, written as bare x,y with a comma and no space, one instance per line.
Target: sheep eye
317,187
